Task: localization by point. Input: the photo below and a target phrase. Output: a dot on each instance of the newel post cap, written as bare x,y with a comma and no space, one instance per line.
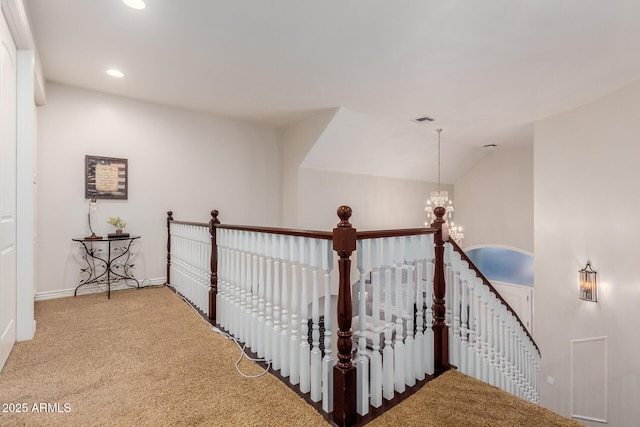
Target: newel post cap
214,217
344,235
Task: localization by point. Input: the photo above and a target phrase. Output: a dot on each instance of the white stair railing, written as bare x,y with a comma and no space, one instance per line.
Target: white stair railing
190,262
389,306
488,341
263,295
265,277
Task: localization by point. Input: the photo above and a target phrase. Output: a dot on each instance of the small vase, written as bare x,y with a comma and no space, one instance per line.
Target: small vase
119,231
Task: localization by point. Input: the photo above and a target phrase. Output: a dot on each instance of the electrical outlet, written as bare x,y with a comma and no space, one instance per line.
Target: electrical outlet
551,380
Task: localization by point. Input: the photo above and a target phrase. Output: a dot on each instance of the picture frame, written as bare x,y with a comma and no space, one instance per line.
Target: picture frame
106,178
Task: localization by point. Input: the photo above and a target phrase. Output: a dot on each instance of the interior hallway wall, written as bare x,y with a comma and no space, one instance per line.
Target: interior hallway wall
179,160
586,203
494,200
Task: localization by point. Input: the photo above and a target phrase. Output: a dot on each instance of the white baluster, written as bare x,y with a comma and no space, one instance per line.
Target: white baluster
376,357
226,300
480,345
236,331
448,299
525,371
520,361
476,364
242,285
268,325
275,333
246,315
428,333
516,380
294,345
536,376
399,350
508,349
248,301
491,356
471,353
228,311
221,278
362,361
285,364
504,352
316,355
464,313
207,275
255,292
420,362
514,358
409,368
327,361
220,295
260,327
456,300
305,350
387,353
498,342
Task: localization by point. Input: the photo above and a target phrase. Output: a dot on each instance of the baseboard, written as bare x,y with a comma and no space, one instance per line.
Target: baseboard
92,289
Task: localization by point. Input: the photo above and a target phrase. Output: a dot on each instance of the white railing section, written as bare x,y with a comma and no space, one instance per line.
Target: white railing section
190,263
487,341
389,355
274,293
263,301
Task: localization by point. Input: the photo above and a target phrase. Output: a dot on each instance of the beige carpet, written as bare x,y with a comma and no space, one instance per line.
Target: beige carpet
145,358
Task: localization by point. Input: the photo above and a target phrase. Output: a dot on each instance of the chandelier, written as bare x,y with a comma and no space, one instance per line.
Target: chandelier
440,198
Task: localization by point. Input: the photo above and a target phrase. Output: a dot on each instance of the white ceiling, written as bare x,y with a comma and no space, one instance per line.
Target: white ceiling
484,69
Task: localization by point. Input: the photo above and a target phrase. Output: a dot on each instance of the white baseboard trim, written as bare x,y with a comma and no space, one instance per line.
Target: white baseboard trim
94,289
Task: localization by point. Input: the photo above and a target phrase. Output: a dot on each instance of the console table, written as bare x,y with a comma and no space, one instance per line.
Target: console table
108,260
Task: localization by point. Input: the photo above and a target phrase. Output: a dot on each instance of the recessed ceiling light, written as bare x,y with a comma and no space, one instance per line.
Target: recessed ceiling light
135,4
115,73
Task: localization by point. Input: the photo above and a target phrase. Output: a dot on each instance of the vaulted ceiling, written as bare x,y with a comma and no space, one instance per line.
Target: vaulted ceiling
485,70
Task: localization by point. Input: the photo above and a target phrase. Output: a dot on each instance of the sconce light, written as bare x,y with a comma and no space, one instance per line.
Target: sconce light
588,283
93,206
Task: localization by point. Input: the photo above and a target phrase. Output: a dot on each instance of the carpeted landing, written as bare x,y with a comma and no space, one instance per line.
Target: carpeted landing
145,358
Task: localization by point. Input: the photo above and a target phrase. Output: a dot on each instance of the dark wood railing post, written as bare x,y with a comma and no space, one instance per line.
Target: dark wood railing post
344,373
213,291
440,329
169,219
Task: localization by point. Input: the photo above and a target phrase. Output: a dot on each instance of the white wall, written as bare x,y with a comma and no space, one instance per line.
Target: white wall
494,200
179,160
586,203
311,196
377,202
297,140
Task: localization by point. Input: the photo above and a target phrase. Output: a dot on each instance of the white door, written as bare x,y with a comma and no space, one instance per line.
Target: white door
520,299
8,284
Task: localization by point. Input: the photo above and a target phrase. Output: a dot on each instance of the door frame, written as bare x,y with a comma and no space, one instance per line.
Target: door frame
30,94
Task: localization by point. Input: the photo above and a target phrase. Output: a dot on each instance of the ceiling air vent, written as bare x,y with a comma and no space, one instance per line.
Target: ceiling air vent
490,146
424,119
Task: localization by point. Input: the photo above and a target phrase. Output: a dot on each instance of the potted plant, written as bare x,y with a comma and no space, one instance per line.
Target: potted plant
117,223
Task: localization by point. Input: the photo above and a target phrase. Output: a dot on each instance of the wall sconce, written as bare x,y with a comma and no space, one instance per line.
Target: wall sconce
588,283
93,206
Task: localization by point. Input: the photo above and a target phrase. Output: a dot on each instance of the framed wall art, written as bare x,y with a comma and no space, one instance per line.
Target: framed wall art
106,178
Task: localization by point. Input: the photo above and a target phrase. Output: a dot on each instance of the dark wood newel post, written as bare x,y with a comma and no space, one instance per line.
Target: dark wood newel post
440,329
213,291
344,373
169,219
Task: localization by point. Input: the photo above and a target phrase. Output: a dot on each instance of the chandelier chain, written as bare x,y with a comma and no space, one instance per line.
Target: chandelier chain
439,132
441,199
